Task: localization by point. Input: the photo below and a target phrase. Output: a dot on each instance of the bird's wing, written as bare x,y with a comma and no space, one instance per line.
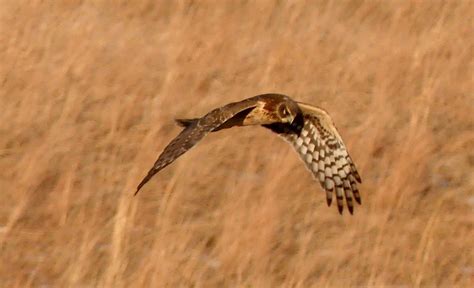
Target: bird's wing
196,129
321,148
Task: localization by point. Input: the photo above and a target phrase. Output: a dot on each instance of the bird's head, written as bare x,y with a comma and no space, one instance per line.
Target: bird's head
287,111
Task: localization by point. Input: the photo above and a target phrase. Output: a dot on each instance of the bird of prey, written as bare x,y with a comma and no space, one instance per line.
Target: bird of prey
309,129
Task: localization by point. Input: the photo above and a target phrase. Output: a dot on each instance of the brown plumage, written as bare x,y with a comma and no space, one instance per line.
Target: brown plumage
309,129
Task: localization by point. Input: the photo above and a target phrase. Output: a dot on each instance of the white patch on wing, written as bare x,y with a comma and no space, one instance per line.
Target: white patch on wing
303,149
299,142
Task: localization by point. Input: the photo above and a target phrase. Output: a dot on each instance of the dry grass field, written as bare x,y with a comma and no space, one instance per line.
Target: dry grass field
88,94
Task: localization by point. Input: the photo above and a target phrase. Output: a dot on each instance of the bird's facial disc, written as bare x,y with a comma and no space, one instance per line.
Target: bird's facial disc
286,114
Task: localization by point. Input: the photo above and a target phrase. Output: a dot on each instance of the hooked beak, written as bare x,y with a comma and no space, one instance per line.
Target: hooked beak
290,118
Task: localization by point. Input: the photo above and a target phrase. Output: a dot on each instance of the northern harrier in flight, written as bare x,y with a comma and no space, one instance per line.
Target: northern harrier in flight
309,129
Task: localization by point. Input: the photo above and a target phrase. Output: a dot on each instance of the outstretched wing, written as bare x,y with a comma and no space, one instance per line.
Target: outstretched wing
320,146
196,129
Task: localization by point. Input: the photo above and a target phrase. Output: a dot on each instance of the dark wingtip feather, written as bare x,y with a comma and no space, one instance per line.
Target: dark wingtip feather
147,178
340,208
351,209
357,197
140,186
356,174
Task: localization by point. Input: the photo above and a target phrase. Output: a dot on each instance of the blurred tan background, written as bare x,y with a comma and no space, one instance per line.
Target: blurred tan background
89,91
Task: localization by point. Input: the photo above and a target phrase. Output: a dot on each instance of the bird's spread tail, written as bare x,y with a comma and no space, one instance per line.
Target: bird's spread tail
186,122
